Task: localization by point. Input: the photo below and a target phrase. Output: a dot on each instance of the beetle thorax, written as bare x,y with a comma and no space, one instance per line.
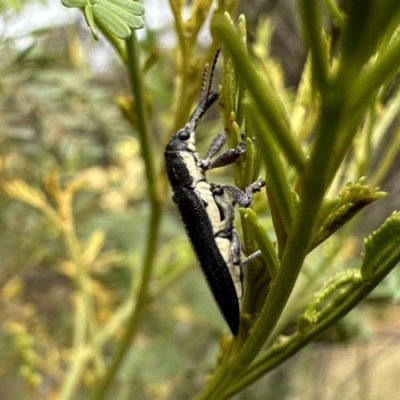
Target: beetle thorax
191,162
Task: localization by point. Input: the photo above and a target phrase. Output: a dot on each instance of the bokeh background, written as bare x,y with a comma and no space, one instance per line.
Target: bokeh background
61,124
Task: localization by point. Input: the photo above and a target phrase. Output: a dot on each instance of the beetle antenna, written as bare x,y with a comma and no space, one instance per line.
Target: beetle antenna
214,63
203,82
210,96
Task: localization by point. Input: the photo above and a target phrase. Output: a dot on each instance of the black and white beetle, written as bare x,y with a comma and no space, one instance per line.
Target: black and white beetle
207,209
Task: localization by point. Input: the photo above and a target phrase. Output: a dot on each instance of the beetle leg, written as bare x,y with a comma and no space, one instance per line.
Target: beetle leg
216,145
236,266
251,257
225,158
228,156
235,248
245,198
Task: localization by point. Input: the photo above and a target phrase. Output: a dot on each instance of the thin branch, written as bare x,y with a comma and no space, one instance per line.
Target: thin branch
136,81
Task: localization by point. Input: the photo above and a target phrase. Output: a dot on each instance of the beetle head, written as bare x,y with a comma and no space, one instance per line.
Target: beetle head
183,140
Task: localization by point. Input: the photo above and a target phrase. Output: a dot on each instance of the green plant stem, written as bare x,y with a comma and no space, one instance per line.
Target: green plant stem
85,323
79,327
83,354
263,241
277,354
312,193
335,12
266,100
265,325
315,182
372,78
365,86
218,380
118,44
276,179
88,315
70,382
137,87
75,372
392,148
312,27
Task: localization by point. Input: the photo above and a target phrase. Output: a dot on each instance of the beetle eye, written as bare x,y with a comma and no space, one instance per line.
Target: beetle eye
184,135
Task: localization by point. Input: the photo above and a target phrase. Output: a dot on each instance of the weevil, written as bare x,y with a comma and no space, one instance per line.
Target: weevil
207,209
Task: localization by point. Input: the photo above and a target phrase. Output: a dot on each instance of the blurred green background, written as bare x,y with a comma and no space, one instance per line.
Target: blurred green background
62,130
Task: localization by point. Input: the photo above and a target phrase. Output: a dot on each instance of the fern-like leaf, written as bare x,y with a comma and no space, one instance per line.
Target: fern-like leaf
116,16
